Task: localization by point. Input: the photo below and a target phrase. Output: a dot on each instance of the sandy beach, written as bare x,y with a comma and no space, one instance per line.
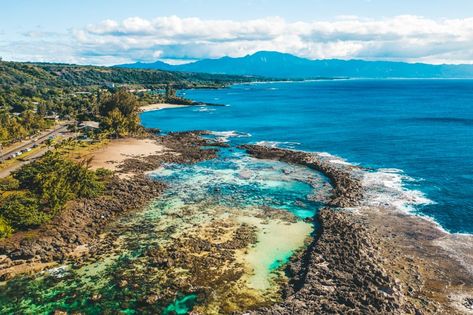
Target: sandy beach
152,107
119,150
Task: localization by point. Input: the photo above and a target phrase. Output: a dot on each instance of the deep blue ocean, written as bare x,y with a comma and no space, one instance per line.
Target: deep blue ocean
420,130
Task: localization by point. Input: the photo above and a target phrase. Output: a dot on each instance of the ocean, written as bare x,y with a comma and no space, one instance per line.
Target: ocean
414,136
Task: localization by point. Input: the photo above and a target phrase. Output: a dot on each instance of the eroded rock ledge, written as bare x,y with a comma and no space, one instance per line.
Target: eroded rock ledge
73,232
348,190
344,274
370,261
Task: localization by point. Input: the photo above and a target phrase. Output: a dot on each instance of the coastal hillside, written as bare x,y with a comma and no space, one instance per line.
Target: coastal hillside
281,65
66,75
34,95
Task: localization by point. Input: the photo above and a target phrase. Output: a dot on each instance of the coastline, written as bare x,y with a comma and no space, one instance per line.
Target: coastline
424,268
153,107
363,259
74,233
160,106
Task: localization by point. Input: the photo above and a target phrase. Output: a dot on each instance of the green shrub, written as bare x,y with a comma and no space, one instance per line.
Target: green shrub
22,211
5,228
55,180
103,173
8,183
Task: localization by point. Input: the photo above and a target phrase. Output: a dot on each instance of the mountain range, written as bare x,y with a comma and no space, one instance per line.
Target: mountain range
281,65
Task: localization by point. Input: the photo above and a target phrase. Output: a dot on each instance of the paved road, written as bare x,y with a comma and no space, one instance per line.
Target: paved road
4,172
39,140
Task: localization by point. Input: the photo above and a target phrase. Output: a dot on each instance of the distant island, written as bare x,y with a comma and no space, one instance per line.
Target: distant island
282,65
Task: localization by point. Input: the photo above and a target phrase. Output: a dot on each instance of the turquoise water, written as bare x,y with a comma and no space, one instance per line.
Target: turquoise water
181,306
234,182
416,134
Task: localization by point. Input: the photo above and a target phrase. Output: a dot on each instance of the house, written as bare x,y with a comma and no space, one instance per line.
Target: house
89,125
52,116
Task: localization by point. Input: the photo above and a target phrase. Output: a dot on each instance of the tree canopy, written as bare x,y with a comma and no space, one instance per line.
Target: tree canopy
120,113
38,191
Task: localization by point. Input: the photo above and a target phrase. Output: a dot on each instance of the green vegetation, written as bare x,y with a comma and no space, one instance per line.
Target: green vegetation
9,184
44,188
55,180
34,95
119,113
5,228
29,92
22,211
26,123
35,76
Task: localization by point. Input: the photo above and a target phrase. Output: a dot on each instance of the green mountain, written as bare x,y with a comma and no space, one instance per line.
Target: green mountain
64,75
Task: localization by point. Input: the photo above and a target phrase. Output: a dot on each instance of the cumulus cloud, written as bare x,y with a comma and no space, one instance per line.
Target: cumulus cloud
403,38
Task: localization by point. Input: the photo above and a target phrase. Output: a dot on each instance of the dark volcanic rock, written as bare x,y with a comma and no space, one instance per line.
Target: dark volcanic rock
343,273
81,221
184,147
348,189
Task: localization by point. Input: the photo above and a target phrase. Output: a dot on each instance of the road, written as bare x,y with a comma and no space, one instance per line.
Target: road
6,171
31,143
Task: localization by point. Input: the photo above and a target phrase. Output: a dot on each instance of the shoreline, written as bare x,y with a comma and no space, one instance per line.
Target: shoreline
437,278
76,230
363,258
160,106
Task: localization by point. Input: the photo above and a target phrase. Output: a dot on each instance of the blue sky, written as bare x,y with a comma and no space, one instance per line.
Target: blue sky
108,32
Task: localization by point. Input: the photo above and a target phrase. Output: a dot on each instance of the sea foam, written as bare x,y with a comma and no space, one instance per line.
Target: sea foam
224,136
278,144
387,188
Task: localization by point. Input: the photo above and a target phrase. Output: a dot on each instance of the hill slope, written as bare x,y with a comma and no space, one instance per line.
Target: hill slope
280,65
63,75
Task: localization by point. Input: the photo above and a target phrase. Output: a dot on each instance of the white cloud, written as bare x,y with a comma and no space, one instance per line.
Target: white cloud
407,38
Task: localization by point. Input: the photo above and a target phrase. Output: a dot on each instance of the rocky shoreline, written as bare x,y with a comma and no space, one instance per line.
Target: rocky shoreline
73,232
369,261
363,260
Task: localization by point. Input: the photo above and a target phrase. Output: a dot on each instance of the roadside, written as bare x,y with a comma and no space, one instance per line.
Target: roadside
74,232
27,151
18,148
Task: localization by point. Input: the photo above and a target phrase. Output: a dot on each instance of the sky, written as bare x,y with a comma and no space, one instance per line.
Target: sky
107,32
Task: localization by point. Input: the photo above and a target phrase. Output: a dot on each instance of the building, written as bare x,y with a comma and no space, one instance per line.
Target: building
89,125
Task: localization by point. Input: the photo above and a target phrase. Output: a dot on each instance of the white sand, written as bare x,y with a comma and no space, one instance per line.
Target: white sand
117,151
151,107
276,241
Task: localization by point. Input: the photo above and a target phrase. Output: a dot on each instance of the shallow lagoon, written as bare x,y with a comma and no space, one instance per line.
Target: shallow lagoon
420,130
215,242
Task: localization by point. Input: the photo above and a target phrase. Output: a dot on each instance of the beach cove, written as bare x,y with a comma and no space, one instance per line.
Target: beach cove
223,209
204,223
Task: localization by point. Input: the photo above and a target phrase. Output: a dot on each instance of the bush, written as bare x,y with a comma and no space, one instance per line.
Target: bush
55,180
5,228
119,112
103,173
22,211
8,183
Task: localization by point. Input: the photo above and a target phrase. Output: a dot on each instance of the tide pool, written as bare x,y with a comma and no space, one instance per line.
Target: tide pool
418,134
214,242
